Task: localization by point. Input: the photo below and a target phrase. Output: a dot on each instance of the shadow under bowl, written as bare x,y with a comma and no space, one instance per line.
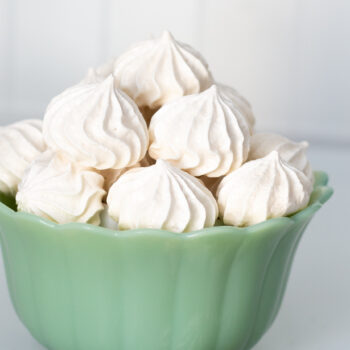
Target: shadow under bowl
82,287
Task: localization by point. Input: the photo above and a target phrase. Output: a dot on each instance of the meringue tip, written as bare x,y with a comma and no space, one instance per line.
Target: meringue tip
109,83
214,88
304,144
162,163
273,155
109,79
166,35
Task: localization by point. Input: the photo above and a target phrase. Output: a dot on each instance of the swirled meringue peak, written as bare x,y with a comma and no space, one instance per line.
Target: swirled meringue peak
262,189
203,134
96,125
161,196
20,144
294,153
240,103
59,190
92,77
97,75
105,69
160,70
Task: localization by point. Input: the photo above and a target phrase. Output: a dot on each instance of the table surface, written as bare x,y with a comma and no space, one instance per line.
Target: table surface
315,314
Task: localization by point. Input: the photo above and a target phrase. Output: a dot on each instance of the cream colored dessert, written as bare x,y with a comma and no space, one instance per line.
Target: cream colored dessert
203,134
20,144
161,196
93,77
240,103
291,152
61,191
105,69
160,70
262,189
96,125
152,134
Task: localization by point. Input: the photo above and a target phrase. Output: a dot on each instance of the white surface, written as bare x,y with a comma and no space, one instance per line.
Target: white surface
315,314
289,58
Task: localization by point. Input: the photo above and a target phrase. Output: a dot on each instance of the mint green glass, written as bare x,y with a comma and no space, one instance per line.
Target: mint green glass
81,287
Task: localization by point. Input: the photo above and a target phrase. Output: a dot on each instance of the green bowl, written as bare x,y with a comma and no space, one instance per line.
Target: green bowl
81,287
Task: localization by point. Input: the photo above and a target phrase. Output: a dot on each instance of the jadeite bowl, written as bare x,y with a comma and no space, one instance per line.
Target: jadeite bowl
81,287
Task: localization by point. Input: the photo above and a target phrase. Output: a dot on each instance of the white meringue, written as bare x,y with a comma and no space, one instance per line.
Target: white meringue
262,189
20,143
92,77
96,126
105,69
163,197
203,134
97,75
294,153
240,103
160,70
59,190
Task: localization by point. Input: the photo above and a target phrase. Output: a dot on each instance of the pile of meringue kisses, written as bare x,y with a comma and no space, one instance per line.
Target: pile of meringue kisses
150,140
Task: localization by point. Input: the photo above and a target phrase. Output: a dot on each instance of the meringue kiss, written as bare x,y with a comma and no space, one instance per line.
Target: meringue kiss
20,144
262,189
294,153
59,190
160,70
96,125
203,134
161,196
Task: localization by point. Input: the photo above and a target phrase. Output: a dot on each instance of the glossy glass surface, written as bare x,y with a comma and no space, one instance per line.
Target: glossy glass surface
81,287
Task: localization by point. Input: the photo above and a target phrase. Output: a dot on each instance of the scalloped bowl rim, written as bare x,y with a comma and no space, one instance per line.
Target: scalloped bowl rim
319,196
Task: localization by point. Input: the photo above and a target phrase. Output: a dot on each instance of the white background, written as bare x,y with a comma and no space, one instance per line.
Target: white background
291,60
